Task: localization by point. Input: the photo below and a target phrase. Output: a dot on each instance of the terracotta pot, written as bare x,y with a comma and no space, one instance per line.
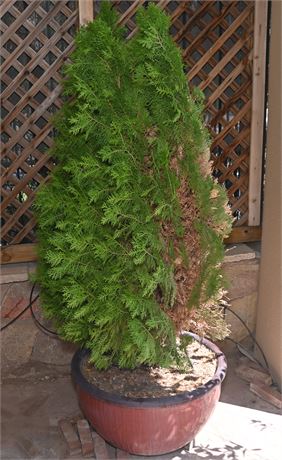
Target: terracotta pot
150,426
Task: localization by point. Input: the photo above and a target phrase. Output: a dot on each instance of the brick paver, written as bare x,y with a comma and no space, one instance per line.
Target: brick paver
71,437
85,437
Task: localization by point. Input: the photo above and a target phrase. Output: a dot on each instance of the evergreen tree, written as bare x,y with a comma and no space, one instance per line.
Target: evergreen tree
131,223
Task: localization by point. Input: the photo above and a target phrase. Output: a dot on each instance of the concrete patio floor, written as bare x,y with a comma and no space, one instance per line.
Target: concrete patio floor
35,396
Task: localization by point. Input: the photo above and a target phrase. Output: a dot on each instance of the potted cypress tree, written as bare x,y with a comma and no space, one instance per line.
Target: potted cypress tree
130,231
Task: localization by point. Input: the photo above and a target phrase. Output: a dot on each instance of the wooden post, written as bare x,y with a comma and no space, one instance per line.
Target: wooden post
269,307
258,101
86,11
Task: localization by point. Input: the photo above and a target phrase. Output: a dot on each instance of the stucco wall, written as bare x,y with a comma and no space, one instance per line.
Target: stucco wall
241,269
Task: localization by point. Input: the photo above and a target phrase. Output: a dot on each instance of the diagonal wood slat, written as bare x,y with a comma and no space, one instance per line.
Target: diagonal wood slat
216,39
37,39
217,42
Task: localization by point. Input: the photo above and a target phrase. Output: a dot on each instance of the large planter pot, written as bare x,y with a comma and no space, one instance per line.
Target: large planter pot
150,426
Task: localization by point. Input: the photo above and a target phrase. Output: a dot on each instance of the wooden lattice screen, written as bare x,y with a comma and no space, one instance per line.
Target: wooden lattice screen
37,38
217,42
216,38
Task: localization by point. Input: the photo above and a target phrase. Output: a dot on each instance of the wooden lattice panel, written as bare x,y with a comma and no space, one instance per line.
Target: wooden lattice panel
37,36
216,38
217,42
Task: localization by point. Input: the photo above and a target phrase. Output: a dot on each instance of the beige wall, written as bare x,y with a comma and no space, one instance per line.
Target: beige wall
269,315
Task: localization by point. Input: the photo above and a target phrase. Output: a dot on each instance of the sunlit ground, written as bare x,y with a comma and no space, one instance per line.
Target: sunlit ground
236,432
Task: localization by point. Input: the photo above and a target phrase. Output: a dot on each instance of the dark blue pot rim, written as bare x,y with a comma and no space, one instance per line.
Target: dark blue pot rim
164,401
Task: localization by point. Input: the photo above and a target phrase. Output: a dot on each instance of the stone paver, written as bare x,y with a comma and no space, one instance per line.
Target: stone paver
17,343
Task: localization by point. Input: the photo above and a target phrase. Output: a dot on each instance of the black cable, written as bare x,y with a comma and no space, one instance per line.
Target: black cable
37,322
250,333
20,314
240,348
29,306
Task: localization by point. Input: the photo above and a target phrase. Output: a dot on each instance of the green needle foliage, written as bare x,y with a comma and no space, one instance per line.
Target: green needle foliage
129,191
